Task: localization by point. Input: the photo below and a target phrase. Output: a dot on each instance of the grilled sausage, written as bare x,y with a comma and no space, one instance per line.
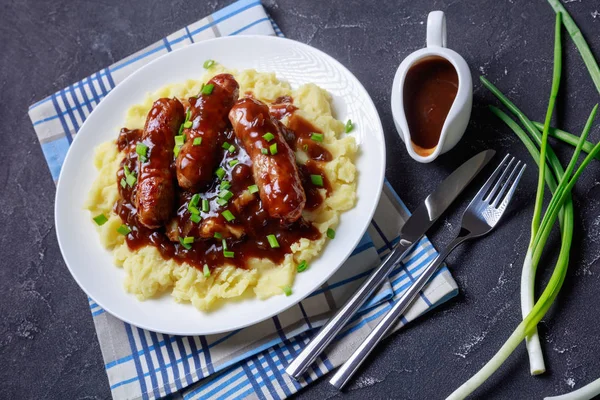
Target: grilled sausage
156,185
276,175
195,164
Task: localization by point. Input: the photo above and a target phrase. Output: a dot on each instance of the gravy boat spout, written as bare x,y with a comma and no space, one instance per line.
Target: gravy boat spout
457,117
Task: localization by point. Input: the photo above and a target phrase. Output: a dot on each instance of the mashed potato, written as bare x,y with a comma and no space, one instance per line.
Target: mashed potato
149,275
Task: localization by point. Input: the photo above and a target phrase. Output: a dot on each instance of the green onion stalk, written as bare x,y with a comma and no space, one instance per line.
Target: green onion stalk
589,391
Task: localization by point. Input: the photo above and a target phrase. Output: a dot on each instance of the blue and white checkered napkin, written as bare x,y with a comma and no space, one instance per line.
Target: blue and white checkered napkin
247,363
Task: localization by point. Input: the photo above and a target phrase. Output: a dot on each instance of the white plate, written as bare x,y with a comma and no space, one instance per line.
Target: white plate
92,266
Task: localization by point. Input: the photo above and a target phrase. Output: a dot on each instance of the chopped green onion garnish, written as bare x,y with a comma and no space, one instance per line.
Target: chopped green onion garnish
188,239
184,244
195,199
349,126
228,215
225,145
195,218
222,202
123,183
273,148
317,137
206,271
187,124
287,290
193,209
207,89
330,233
205,206
224,243
180,129
253,189
208,63
218,235
123,230
176,150
273,241
268,136
126,170
131,180
100,219
225,185
188,114
231,149
302,266
141,149
197,141
179,140
264,151
220,173
233,163
316,180
228,254
225,195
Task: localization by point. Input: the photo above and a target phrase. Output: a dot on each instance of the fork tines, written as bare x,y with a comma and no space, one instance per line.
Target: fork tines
499,190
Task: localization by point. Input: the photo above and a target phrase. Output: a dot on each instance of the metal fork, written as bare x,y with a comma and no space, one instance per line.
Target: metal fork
480,217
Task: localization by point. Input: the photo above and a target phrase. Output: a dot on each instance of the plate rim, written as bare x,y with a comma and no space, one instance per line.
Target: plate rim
381,177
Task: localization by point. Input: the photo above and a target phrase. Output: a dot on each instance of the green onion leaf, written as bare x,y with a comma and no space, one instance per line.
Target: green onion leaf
225,185
197,141
188,114
224,243
205,205
100,219
217,235
268,136
180,129
187,124
253,189
176,150
195,199
220,173
273,241
228,254
273,148
126,170
193,209
184,244
222,202
302,266
349,126
141,149
316,180
231,149
317,137
206,271
225,145
228,215
233,163
123,183
195,218
287,290
225,195
131,180
264,151
179,140
123,230
207,89
330,233
188,239
208,63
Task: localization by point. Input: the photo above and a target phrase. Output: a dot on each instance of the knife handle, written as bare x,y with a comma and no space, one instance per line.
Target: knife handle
330,330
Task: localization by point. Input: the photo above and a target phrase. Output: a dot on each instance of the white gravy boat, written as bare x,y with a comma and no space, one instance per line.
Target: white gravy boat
458,117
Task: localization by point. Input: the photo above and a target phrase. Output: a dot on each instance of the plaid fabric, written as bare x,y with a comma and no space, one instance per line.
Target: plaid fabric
247,363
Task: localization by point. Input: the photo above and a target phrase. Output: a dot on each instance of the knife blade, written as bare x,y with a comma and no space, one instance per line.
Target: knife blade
411,232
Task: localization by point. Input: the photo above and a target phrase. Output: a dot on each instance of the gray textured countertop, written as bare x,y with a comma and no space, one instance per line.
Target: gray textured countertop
48,348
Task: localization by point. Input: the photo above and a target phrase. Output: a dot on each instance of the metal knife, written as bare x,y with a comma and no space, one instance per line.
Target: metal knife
411,232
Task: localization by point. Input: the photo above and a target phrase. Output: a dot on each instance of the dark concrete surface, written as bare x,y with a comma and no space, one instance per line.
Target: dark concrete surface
48,348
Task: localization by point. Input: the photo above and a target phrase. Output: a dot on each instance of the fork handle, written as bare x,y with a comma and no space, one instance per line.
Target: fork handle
347,370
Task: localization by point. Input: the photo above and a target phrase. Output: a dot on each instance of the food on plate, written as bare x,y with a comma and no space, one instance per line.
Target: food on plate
223,187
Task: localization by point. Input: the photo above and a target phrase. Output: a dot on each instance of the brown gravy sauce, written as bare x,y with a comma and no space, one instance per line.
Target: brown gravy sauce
430,88
251,220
